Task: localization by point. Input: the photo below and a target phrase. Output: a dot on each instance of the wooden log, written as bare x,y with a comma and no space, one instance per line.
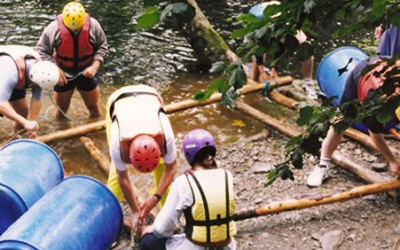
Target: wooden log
248,88
289,205
366,174
101,159
270,121
75,131
169,108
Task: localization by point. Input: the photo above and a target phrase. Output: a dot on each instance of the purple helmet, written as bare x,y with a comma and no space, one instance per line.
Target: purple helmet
196,140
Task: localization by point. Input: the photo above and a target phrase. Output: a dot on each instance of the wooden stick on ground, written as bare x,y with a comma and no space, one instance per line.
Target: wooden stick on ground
289,205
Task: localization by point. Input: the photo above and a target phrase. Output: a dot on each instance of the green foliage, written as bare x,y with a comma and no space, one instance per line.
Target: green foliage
233,79
264,35
158,11
381,104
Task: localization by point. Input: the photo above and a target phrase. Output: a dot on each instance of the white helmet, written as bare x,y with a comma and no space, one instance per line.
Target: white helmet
45,74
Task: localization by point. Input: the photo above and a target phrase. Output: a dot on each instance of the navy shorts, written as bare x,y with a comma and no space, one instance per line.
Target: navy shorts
17,94
81,83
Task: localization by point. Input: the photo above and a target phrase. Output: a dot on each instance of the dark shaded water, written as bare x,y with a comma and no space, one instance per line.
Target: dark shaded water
160,58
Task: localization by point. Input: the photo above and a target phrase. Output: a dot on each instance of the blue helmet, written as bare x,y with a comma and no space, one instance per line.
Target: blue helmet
195,141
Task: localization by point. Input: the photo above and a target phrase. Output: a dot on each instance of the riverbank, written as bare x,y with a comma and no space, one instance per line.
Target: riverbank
371,222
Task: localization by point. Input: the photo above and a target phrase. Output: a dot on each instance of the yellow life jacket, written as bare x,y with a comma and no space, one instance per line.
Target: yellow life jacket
136,109
209,220
19,53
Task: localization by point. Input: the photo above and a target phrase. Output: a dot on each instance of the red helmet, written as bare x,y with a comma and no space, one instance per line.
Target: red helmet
144,153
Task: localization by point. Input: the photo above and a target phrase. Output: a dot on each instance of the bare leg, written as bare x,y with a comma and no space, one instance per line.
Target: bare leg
321,171
254,74
63,101
307,67
330,143
92,102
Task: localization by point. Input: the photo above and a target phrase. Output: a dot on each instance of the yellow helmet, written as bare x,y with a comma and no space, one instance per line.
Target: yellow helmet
398,113
74,15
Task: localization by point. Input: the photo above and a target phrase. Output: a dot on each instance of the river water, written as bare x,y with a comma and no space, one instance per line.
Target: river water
160,58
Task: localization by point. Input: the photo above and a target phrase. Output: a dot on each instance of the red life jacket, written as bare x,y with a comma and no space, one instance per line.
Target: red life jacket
74,52
19,53
368,82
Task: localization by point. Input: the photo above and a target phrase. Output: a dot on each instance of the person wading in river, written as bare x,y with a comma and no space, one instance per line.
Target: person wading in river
139,133
258,72
78,44
357,86
204,195
21,68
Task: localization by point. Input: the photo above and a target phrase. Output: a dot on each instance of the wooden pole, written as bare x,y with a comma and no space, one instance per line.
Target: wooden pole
289,205
366,174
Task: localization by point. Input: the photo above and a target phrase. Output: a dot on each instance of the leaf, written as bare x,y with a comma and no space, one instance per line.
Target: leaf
294,141
217,67
297,160
240,33
185,12
217,84
306,114
238,123
304,51
240,78
148,3
202,95
384,116
149,19
311,144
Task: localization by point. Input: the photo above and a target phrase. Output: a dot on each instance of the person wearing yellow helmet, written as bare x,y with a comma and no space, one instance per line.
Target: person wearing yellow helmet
78,44
21,68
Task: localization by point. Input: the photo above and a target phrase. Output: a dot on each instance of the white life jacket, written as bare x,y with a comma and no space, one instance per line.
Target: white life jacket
19,53
136,109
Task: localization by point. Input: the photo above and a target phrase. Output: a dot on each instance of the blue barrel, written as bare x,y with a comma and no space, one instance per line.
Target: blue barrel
333,70
28,170
79,213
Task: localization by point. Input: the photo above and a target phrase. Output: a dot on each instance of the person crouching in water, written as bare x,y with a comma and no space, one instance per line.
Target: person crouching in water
204,195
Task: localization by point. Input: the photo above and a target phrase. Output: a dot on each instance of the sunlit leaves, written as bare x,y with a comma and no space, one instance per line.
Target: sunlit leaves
148,19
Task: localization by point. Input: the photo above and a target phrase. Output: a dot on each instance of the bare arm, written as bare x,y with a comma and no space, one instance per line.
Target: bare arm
8,111
34,109
166,179
382,146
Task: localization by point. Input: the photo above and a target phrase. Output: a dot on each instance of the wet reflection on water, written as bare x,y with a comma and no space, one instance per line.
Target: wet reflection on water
160,58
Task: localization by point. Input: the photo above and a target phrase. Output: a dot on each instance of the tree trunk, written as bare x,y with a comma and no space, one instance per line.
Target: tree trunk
209,46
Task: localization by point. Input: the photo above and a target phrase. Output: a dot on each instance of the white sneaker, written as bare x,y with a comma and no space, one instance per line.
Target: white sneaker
317,176
310,91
